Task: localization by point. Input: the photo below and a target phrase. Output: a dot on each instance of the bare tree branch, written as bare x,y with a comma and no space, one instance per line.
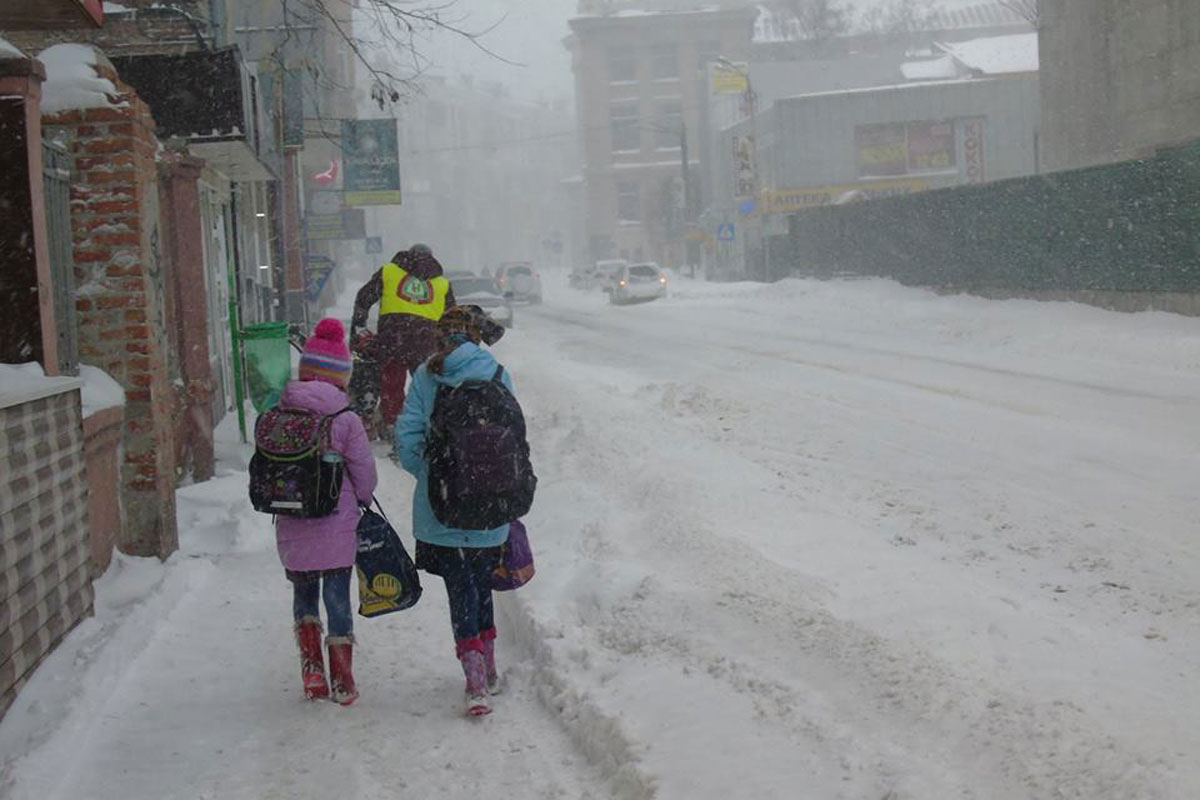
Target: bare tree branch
1025,9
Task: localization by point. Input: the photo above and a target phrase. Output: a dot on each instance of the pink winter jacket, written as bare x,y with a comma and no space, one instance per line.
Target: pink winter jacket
329,542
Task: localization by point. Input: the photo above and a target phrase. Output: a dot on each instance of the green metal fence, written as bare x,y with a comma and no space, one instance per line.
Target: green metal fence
1128,227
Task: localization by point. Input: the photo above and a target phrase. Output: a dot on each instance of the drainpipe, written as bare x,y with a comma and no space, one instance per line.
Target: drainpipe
235,323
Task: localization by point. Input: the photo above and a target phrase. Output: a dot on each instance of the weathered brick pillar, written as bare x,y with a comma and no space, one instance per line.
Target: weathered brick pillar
188,306
120,297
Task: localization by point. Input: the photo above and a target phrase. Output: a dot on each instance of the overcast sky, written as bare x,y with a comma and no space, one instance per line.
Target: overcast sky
529,32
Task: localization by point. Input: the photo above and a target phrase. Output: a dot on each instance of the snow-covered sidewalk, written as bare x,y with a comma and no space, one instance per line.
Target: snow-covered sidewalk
186,685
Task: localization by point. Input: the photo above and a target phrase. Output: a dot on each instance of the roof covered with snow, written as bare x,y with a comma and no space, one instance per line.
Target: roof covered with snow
775,26
996,55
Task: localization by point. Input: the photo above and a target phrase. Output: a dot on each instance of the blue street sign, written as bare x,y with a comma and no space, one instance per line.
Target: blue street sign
726,232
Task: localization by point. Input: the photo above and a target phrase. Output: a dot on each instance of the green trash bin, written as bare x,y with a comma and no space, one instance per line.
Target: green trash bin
268,362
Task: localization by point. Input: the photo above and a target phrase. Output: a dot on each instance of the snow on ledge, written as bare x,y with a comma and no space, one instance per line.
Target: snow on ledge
100,391
72,81
8,50
24,383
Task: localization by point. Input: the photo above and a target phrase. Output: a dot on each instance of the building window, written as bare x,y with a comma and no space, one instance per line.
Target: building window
667,123
626,135
664,62
709,52
629,201
622,65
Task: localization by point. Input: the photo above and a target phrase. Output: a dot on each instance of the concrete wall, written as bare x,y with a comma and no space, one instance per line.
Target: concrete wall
1119,79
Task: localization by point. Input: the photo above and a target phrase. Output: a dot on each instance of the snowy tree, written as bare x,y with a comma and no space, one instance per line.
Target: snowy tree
1025,9
817,19
899,18
386,38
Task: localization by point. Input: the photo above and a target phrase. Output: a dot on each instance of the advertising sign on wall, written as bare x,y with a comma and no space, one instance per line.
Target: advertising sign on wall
905,148
731,78
744,169
349,223
789,201
972,149
317,270
371,159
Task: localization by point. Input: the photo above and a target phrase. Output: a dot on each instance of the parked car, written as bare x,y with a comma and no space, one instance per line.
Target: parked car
483,292
518,281
637,282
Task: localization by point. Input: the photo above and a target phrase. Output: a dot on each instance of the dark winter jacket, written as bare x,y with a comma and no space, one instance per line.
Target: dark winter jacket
405,338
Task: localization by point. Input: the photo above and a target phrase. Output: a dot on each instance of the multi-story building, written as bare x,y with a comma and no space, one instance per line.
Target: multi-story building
640,82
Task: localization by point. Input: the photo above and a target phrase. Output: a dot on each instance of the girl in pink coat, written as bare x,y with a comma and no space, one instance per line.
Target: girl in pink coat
318,554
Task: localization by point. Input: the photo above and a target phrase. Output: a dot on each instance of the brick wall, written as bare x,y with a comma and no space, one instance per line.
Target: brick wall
120,298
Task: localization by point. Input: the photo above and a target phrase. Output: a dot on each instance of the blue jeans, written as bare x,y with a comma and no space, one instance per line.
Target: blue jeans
307,587
467,572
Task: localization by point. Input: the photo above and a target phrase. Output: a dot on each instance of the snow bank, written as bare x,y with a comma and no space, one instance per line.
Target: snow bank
72,80
23,383
100,391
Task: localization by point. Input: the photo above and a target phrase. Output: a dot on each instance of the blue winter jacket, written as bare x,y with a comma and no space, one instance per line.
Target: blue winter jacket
468,362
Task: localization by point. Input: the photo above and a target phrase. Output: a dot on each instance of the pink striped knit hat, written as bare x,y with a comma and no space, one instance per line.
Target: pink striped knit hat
326,357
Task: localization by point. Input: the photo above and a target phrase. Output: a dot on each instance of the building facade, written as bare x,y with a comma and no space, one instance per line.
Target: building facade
1119,79
640,97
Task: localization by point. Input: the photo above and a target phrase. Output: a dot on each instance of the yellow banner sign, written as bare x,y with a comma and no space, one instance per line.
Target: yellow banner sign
789,201
730,78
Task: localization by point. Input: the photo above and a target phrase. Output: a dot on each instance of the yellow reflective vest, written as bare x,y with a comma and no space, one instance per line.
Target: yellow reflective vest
408,294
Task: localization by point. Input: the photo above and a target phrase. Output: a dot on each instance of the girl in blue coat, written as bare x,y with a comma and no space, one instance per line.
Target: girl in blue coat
464,559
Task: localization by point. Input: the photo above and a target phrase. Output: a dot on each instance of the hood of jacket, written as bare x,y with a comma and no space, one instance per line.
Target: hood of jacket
324,398
468,362
422,265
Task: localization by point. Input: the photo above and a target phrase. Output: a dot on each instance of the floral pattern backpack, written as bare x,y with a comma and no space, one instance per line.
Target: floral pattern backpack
294,473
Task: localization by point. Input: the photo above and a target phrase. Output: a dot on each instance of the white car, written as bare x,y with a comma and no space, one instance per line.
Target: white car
482,292
637,282
518,281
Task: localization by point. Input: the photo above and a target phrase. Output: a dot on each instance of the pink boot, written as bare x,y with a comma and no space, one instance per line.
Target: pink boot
470,654
312,661
489,659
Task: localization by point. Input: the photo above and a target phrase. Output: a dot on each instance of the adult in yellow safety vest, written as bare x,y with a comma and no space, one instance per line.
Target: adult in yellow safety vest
412,294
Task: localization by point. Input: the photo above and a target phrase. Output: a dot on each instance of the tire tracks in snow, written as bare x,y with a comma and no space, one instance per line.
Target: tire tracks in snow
868,688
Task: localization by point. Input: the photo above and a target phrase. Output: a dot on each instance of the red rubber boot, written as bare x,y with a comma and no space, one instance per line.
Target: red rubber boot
312,661
341,673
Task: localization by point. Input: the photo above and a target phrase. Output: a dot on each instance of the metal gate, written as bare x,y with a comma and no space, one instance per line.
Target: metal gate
56,182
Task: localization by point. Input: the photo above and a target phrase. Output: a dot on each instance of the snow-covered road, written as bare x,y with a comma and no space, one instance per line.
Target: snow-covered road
808,540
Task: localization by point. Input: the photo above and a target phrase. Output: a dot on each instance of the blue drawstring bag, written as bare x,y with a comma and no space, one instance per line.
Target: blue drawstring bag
387,577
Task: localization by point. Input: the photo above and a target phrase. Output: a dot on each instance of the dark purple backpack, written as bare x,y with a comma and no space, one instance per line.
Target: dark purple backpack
480,475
